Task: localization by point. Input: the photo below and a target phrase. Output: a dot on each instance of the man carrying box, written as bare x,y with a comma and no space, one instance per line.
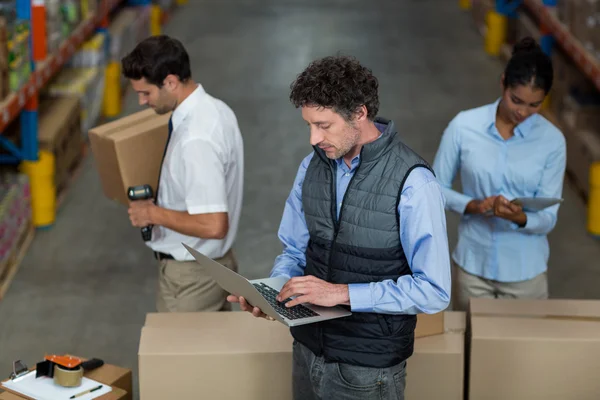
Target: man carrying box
364,226
199,194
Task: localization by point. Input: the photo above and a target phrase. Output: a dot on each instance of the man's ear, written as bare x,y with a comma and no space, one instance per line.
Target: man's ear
361,114
171,82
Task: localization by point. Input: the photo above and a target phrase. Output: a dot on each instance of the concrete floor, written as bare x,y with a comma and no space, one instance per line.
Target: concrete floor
85,286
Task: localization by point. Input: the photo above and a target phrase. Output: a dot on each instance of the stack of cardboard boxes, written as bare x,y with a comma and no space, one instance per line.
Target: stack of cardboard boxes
513,349
237,356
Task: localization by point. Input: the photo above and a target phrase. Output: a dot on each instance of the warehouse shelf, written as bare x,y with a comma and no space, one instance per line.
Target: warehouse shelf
25,99
571,45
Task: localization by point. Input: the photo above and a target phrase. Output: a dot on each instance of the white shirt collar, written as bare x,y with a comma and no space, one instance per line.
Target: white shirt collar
187,105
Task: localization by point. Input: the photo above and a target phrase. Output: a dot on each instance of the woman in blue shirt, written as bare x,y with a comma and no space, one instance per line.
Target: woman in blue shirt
503,151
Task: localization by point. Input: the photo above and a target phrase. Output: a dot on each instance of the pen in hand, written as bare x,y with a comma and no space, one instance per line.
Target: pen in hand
86,392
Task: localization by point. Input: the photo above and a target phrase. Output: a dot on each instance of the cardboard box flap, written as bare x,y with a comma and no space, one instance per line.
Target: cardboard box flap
495,327
452,341
552,309
427,324
441,344
121,126
219,333
455,321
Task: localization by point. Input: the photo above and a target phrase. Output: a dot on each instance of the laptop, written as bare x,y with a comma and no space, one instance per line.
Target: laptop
261,293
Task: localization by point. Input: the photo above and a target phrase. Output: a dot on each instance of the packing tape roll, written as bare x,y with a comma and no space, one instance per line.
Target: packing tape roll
68,377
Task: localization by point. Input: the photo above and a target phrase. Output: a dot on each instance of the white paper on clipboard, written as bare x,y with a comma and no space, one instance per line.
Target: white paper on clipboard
44,388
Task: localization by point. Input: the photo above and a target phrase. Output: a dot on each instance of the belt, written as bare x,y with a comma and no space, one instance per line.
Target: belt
163,256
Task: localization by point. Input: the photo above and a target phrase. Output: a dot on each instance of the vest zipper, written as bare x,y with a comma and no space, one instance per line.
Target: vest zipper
337,219
336,222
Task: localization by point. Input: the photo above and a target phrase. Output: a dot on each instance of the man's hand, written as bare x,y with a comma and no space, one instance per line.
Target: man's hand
480,206
140,213
509,211
247,307
312,290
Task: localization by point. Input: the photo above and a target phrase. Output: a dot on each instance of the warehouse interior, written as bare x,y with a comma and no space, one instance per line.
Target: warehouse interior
85,284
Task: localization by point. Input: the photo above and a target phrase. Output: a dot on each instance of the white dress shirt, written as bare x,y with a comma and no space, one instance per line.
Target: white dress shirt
202,173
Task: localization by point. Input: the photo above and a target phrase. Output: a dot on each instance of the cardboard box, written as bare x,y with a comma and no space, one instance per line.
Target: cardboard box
214,355
129,151
117,377
60,134
534,349
436,368
198,353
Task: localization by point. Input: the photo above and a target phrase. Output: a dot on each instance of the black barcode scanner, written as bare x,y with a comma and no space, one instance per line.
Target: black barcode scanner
142,192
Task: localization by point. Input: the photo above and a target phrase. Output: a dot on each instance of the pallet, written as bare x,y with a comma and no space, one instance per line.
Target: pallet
9,268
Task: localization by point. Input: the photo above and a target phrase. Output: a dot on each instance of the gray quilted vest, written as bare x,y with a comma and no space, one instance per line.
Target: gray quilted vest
362,246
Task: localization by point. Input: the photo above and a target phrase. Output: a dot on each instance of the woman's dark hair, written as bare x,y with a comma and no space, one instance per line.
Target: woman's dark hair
340,83
156,57
529,65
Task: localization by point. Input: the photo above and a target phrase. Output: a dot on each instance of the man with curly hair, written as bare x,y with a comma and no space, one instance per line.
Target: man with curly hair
363,227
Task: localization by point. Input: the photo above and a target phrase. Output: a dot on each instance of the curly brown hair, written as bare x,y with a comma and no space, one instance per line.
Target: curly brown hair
337,82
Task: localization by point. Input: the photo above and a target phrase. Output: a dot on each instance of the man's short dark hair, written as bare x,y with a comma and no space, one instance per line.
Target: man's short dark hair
340,83
156,57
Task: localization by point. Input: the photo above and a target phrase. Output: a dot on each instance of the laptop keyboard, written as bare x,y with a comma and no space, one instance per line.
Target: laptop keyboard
296,312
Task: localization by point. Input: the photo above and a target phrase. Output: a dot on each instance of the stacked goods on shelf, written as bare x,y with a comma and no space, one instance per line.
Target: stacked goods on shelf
85,83
582,17
15,218
17,46
575,100
4,86
575,103
62,17
91,54
88,7
60,134
19,60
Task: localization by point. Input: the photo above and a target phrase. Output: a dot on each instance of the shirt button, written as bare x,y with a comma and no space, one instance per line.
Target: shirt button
340,204
347,174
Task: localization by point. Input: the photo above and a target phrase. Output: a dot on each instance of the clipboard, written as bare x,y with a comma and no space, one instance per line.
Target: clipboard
23,382
532,204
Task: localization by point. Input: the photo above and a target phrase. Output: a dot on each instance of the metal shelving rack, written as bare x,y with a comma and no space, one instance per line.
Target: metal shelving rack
24,102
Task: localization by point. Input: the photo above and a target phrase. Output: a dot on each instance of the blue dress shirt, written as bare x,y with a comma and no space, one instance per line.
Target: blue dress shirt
529,164
422,234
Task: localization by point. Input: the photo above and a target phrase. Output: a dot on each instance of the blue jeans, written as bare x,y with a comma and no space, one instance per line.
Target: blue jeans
315,379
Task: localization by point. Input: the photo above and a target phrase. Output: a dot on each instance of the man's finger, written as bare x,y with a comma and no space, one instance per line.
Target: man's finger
298,300
233,299
257,312
294,290
244,305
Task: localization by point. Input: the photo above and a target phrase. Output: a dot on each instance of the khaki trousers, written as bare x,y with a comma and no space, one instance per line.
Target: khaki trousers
466,285
184,286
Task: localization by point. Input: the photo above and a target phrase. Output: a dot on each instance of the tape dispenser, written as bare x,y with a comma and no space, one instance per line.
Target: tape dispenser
66,370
